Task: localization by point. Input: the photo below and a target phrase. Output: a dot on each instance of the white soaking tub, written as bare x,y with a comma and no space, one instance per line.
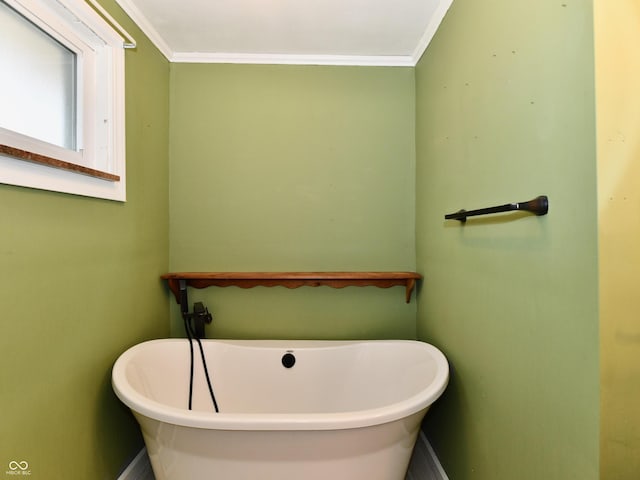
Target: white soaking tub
344,410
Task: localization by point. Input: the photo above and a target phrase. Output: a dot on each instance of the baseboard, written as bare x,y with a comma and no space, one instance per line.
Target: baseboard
424,462
139,468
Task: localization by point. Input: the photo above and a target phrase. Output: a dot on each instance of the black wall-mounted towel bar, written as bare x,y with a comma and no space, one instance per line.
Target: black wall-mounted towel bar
538,206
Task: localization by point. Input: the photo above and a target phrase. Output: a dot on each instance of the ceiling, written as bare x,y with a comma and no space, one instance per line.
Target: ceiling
321,32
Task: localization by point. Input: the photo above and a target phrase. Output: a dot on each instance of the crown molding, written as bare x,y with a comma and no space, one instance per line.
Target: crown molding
288,59
430,31
145,25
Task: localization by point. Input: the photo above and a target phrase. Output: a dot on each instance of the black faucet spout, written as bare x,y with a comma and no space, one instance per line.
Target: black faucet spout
195,321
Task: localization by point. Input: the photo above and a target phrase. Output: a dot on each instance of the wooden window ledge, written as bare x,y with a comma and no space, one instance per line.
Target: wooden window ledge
293,280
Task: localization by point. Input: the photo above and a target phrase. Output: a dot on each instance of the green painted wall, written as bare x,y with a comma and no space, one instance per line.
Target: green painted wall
80,284
294,168
505,112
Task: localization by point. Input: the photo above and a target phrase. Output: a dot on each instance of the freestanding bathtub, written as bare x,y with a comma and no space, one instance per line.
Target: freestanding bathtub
344,410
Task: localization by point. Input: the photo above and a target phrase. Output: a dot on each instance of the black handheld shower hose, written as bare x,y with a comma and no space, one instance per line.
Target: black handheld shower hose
188,327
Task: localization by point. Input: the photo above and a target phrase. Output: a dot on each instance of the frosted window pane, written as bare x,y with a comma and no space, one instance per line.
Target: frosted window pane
37,82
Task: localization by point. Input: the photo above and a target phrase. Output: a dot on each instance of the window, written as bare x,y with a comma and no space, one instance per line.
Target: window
62,98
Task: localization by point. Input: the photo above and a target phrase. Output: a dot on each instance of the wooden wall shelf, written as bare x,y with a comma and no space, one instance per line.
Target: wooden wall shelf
293,280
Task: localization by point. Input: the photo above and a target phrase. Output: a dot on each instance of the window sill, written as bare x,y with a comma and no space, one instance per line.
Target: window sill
55,163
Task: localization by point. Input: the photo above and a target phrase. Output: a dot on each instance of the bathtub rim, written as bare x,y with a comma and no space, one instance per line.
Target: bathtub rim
152,409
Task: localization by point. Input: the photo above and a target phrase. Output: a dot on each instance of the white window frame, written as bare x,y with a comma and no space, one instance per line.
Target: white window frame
98,167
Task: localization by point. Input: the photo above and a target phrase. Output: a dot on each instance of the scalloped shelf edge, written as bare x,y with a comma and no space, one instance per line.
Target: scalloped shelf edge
293,280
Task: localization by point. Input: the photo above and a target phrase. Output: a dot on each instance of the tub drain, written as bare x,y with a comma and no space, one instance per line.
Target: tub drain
288,360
